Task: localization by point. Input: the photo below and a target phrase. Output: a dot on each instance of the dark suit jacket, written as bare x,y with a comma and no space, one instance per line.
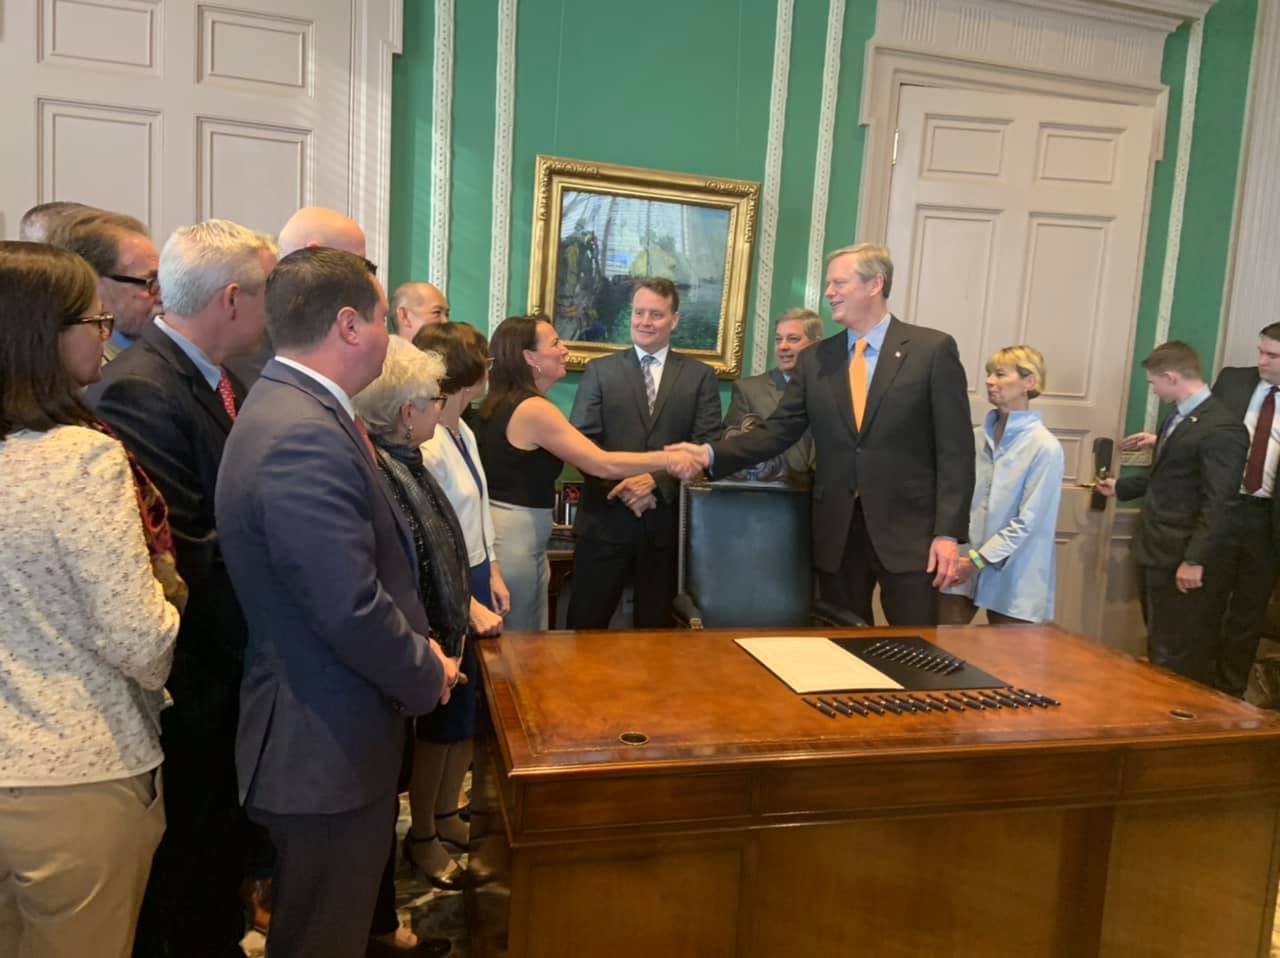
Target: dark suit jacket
325,569
162,408
611,410
1235,387
759,396
912,462
1195,475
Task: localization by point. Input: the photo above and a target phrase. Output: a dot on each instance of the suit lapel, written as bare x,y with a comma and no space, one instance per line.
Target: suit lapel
674,366
171,353
893,353
287,374
777,384
835,361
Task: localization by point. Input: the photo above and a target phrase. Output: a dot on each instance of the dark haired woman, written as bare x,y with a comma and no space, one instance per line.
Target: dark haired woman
86,633
443,749
524,442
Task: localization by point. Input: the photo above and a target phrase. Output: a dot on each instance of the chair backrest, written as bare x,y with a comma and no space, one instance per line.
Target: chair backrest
745,553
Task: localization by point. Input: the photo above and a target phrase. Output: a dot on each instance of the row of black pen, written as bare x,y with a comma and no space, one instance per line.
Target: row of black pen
978,700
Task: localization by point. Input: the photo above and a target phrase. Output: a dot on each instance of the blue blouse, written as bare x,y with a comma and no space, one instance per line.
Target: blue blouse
1016,494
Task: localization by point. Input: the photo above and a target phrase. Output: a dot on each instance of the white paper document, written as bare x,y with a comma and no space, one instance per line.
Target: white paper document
814,664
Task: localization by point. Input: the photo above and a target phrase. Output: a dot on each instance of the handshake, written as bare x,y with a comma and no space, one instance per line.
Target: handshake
687,460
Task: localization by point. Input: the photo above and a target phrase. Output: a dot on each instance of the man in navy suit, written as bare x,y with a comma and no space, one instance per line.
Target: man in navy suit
889,412
325,570
172,402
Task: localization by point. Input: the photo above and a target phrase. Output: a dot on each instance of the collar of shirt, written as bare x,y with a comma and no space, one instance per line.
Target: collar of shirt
211,372
660,355
122,341
874,337
343,399
1192,402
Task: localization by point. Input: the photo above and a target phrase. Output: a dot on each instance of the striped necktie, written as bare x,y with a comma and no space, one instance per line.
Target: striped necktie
647,362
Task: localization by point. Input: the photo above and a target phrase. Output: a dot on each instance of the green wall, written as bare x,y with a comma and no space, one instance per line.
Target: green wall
1211,185
686,87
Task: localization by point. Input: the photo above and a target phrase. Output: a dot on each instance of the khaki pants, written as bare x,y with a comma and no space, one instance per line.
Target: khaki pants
74,861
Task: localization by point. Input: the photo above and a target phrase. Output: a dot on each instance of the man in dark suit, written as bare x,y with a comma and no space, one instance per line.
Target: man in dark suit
1198,456
795,331
324,566
889,411
637,400
172,403
1251,550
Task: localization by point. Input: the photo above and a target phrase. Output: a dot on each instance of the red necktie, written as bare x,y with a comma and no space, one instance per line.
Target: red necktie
227,396
368,443
1257,463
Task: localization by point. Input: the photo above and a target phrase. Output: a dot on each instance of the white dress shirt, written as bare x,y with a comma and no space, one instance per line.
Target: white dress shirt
445,462
1273,445
338,392
656,368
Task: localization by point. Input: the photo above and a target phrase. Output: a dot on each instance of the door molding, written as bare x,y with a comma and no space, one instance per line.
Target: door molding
377,34
1107,50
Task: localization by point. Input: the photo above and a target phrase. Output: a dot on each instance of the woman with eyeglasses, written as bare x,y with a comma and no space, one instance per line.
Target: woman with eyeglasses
86,633
444,738
524,443
400,409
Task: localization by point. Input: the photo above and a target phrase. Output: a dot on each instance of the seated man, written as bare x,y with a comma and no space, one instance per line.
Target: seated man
795,331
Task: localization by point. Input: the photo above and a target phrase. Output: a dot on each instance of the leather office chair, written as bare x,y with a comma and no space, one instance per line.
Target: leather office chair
744,557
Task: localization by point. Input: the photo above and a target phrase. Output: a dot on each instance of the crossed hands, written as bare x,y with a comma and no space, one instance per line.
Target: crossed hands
688,460
636,493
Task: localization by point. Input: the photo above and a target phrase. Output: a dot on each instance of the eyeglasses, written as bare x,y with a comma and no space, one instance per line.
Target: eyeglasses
105,322
439,400
152,283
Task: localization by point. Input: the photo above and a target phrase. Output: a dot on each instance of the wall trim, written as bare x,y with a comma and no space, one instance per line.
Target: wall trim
1253,283
504,128
1177,204
768,232
377,35
826,142
441,145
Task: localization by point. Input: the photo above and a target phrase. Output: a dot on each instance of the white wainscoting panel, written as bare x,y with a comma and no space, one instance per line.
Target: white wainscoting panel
102,155
256,51
254,174
119,35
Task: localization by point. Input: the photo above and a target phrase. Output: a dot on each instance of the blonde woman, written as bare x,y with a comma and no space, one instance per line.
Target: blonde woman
1009,566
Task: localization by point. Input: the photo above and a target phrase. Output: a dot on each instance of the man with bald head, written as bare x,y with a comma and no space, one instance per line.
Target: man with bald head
310,226
318,226
416,305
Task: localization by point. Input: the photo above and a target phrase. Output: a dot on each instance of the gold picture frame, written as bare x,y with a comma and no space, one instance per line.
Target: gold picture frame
597,227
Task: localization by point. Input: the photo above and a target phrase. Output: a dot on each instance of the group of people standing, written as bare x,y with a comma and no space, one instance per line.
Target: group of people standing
274,591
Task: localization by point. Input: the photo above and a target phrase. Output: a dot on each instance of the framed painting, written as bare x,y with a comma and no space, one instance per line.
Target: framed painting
598,228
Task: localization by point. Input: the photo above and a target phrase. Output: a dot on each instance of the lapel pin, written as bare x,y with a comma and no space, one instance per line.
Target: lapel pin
897,355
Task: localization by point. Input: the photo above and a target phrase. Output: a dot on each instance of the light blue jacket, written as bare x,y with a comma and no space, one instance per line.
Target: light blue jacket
1016,494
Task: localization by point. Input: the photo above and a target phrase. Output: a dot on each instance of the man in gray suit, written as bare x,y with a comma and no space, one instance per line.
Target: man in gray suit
325,570
796,330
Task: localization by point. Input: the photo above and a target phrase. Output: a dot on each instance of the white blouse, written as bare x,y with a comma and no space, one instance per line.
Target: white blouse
446,464
86,635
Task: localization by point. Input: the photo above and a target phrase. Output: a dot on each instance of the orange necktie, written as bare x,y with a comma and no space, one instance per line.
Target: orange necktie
858,380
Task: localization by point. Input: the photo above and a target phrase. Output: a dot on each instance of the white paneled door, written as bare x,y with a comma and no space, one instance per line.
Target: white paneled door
175,111
1020,219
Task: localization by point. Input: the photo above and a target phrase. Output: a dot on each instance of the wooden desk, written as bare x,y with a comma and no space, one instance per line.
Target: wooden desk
752,825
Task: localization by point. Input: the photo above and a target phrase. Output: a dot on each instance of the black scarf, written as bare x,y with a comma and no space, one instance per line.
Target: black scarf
444,572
